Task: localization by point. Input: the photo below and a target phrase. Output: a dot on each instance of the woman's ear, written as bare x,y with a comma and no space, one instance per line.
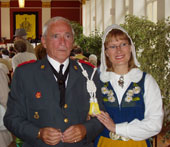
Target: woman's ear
106,53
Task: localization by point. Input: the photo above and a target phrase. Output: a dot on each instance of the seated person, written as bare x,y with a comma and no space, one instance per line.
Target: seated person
22,55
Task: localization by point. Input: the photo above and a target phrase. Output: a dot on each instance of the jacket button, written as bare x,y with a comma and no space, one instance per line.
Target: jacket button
65,106
66,120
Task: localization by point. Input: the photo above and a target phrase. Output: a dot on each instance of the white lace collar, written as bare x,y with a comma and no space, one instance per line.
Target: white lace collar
134,75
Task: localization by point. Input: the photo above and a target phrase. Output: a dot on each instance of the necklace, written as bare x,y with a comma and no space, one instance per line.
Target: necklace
121,81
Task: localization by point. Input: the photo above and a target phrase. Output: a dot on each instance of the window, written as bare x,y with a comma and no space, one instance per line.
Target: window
126,3
151,10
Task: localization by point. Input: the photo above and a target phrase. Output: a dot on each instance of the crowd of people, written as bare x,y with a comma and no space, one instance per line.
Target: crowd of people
54,95
11,58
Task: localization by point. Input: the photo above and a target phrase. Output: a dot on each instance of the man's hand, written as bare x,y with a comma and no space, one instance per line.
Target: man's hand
74,134
50,135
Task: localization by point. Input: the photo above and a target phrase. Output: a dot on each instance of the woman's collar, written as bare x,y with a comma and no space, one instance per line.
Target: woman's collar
134,75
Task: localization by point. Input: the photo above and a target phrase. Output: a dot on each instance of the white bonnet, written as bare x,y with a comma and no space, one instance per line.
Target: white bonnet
104,76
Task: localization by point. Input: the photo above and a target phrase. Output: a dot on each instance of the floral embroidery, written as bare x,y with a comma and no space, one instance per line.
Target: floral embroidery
111,99
104,90
136,90
110,94
129,95
136,98
128,99
131,92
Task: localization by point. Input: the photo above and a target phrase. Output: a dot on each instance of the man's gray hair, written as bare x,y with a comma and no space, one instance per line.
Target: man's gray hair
53,20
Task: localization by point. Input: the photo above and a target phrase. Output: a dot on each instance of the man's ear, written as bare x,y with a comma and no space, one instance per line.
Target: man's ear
43,41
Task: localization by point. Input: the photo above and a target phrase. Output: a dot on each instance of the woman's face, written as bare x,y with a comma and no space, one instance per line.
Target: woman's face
119,52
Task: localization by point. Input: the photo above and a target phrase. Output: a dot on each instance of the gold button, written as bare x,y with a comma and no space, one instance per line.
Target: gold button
75,67
66,120
65,106
42,66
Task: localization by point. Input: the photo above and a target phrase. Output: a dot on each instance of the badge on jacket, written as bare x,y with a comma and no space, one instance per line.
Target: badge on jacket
38,95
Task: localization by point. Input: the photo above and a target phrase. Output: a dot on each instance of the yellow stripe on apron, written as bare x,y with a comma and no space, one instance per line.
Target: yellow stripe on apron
106,142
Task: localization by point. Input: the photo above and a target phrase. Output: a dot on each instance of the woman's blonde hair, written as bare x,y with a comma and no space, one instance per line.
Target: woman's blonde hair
119,35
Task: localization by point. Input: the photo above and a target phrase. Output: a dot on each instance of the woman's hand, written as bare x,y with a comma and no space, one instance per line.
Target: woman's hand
106,120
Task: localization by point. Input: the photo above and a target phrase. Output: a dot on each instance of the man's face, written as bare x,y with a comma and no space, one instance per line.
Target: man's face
58,41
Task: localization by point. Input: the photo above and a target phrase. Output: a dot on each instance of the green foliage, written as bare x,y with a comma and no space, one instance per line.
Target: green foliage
91,43
78,29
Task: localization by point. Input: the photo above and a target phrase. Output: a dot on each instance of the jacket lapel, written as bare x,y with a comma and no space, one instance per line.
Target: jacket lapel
47,72
74,75
74,69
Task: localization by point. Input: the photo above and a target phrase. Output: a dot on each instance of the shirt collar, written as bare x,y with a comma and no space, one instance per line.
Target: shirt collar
57,64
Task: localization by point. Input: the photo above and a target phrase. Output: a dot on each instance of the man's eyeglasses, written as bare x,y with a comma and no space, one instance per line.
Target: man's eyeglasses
121,46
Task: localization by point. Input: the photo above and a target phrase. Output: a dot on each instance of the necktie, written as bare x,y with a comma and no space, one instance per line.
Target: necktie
61,82
61,69
61,76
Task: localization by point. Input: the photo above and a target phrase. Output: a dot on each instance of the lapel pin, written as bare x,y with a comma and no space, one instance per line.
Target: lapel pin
36,115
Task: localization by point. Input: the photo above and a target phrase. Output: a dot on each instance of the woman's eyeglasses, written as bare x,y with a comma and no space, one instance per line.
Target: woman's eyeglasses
121,46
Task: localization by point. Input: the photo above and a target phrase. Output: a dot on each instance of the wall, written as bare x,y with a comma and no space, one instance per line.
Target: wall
98,14
68,9
46,9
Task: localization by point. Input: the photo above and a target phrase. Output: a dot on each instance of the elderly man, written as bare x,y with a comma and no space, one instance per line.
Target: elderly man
46,108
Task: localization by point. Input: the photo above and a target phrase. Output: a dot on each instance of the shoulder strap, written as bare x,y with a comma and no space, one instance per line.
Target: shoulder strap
142,82
91,87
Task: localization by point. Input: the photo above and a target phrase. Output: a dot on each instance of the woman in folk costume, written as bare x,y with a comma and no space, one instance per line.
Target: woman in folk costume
131,97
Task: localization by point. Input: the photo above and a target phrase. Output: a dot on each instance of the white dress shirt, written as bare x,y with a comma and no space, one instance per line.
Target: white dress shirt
57,64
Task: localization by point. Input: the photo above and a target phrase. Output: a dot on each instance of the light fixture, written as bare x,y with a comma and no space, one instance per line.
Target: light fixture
21,3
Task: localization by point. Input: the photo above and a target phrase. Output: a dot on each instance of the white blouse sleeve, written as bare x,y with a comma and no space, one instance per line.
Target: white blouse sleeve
153,117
